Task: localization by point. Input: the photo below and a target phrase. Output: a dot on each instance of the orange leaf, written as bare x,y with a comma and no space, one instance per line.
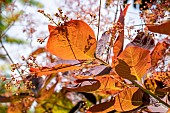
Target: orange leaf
74,40
38,51
85,85
168,111
158,52
133,63
109,84
163,28
126,100
58,68
118,45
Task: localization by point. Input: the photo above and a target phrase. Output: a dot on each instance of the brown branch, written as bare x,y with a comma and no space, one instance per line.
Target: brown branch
99,21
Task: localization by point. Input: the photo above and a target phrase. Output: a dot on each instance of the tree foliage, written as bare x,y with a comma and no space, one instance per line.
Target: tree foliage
83,74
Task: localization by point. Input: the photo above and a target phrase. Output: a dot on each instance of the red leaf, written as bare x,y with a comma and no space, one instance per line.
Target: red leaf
85,85
163,28
118,45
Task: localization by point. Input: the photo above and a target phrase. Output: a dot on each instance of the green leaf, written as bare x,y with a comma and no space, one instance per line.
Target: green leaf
57,103
14,40
33,3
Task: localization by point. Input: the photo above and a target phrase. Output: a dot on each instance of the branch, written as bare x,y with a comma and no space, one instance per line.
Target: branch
99,21
150,93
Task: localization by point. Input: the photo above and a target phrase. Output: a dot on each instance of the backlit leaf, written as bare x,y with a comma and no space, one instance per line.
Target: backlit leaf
50,70
110,84
118,45
85,85
158,52
38,51
126,100
74,40
134,63
162,28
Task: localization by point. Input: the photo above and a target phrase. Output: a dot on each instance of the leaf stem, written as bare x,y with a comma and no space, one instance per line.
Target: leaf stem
150,93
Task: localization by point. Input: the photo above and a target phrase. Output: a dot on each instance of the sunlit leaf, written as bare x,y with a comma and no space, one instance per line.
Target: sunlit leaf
150,84
85,85
162,28
168,111
158,52
110,84
118,45
155,87
15,108
74,40
50,70
161,76
38,51
126,100
133,63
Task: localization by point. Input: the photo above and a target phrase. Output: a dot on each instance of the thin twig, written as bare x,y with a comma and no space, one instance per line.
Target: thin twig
9,26
116,11
99,21
2,45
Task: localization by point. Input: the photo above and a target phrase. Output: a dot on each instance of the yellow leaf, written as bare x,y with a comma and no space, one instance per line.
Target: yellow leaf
74,40
136,59
126,100
110,84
